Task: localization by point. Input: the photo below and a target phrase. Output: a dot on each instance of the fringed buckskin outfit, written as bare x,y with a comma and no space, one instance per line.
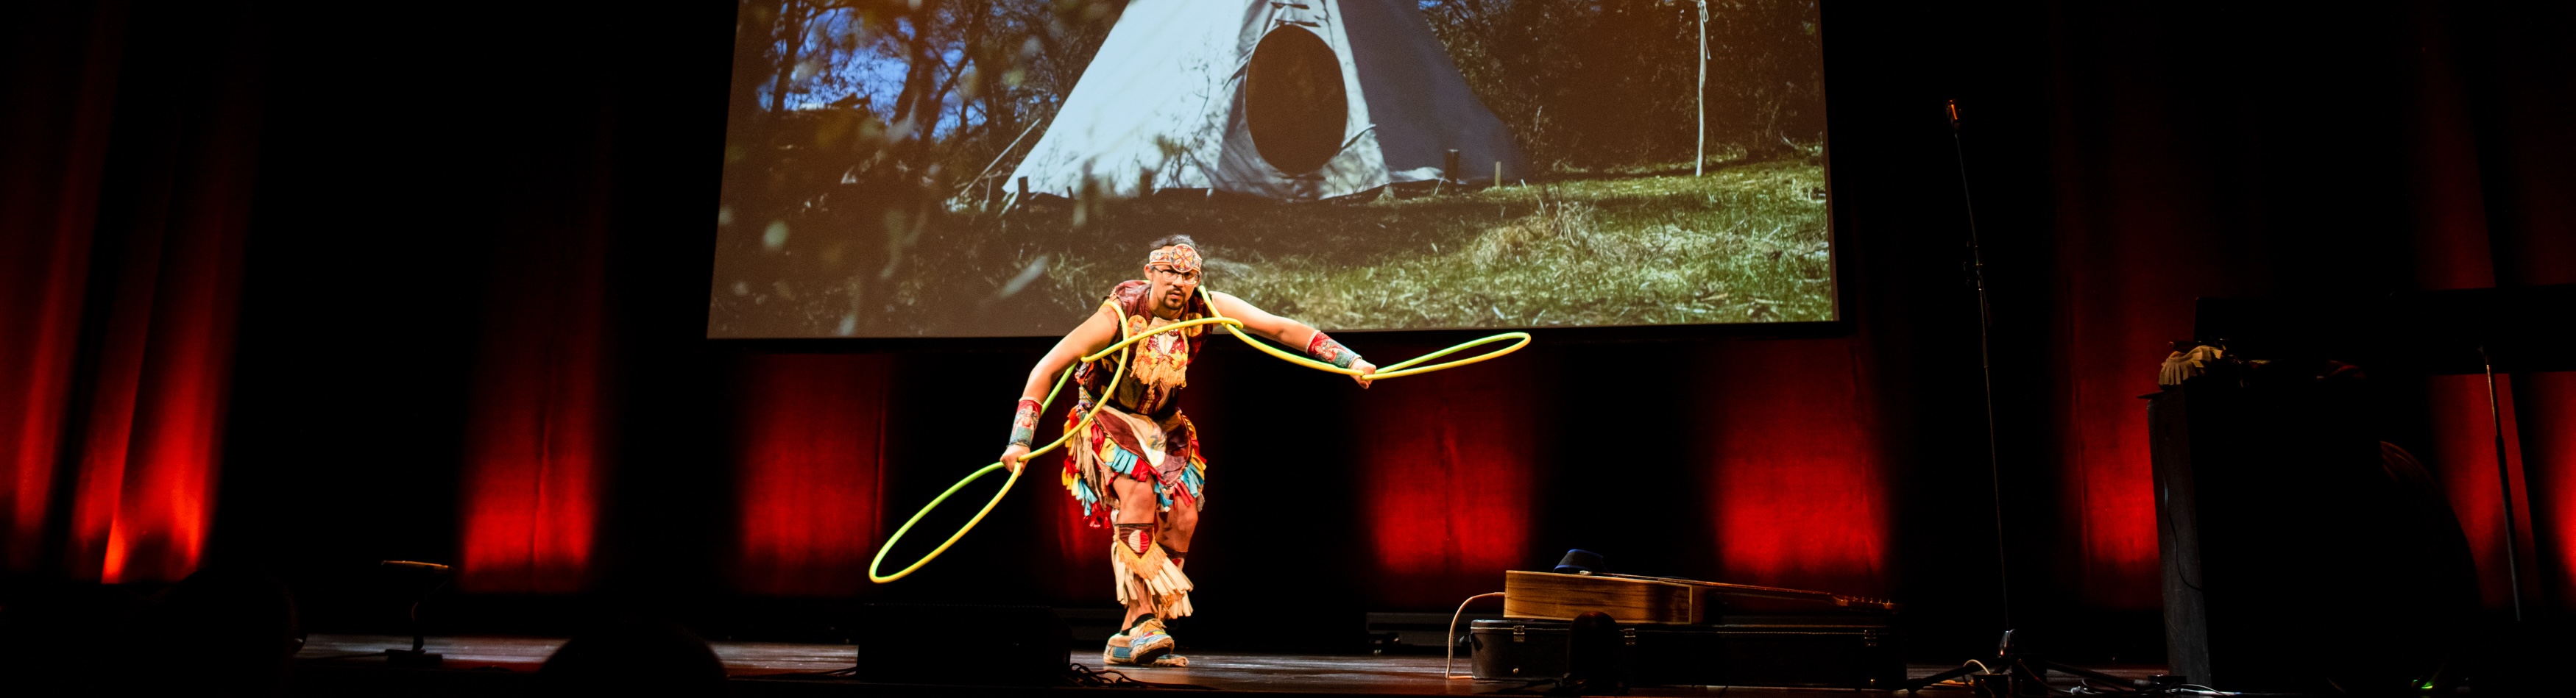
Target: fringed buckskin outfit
1140,435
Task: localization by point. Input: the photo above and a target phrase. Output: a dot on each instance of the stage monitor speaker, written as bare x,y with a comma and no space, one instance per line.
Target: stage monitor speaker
2299,552
963,645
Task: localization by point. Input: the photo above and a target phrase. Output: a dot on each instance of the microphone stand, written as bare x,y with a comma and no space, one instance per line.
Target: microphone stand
2012,670
2504,486
1985,364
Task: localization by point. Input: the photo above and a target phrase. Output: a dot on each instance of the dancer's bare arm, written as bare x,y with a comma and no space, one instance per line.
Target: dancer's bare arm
1095,334
1278,329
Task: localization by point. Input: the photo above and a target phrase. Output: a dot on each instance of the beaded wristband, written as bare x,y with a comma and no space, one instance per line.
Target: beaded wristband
1024,424
1324,349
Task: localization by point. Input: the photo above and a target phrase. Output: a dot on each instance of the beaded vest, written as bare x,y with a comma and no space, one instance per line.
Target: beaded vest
1158,367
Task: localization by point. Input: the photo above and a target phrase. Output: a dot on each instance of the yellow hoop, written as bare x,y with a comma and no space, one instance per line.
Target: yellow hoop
879,561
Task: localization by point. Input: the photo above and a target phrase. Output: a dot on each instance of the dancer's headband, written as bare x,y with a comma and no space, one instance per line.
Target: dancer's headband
1178,259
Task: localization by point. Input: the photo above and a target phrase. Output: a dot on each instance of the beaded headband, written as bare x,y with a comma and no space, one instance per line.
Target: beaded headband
1180,259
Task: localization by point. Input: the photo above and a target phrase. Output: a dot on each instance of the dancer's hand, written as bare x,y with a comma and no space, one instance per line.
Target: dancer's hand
1016,457
1365,368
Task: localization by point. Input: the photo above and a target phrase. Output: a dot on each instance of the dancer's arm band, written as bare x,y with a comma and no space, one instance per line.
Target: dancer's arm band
1024,424
1324,349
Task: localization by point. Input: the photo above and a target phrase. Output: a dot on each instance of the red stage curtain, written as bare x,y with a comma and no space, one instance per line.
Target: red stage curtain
2451,249
536,445
61,87
532,473
2131,257
148,477
1796,477
2464,447
2529,160
2183,166
2546,415
1082,552
1447,461
810,443
2516,218
161,191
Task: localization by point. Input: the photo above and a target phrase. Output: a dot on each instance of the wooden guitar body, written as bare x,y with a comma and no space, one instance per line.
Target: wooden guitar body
1667,600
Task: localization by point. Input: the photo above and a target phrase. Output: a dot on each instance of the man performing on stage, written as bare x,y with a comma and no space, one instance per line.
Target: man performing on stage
1137,469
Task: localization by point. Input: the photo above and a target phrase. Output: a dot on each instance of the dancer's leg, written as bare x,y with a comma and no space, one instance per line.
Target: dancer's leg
1178,524
1136,505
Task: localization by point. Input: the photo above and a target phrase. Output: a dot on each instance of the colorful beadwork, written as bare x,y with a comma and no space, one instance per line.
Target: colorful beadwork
1181,259
1024,423
1324,349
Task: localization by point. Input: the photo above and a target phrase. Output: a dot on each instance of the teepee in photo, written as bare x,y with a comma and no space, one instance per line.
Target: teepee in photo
1294,100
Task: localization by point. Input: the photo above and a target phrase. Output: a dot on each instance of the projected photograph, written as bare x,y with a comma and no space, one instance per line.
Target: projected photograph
967,168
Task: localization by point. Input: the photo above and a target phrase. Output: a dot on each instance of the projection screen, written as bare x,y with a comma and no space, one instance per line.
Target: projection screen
992,169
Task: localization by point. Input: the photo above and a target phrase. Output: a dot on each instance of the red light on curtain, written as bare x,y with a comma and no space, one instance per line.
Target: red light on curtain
807,472
1082,552
531,493
532,458
144,494
2547,407
535,442
533,447
2109,485
165,501
1799,490
2464,459
2115,332
1446,459
42,298
50,173
100,488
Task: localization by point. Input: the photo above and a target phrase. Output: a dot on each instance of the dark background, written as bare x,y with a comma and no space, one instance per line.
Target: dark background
439,198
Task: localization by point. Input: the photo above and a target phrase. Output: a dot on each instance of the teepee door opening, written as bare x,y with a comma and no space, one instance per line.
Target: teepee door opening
1294,103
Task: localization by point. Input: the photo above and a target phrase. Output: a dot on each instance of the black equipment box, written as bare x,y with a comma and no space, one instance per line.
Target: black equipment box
1744,651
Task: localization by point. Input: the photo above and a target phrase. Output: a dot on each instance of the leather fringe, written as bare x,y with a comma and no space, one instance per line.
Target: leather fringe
1152,575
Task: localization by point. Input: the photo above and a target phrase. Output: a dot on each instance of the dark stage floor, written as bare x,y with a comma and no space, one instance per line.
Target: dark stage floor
481,666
